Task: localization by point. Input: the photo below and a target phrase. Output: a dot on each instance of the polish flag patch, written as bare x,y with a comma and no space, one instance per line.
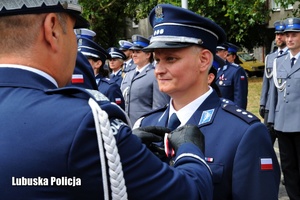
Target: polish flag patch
77,78
209,160
266,164
242,77
118,100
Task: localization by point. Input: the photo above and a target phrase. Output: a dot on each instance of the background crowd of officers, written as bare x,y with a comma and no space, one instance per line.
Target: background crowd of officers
196,145
132,70
128,79
279,102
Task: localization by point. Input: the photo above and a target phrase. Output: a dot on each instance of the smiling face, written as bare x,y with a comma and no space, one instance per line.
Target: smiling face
140,58
183,73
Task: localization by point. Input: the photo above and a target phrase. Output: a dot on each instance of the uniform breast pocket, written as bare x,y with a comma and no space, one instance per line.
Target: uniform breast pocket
282,74
217,170
225,83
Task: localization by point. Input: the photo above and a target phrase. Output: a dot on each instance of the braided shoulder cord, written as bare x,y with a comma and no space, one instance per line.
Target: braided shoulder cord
266,73
281,86
105,135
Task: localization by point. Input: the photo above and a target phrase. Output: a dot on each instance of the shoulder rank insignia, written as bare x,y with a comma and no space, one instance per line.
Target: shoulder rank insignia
241,113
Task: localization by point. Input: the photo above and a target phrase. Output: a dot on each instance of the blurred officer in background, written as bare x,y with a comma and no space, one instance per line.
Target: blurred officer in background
268,76
237,145
212,74
49,147
232,80
139,86
284,115
97,56
116,61
85,33
83,75
128,63
222,51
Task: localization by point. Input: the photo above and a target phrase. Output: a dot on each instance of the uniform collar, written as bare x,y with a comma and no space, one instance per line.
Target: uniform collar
185,113
20,77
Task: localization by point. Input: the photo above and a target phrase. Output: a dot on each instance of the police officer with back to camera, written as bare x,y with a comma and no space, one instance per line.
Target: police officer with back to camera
68,142
268,76
237,145
125,47
97,56
285,107
232,80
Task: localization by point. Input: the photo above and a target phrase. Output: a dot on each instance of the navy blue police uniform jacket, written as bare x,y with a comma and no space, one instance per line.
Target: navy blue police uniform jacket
48,132
238,149
117,78
111,90
233,83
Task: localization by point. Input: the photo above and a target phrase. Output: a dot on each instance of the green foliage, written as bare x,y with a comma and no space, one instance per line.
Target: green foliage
244,21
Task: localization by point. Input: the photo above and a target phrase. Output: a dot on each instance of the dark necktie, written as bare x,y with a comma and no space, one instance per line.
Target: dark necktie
112,76
173,122
136,73
280,52
293,62
124,65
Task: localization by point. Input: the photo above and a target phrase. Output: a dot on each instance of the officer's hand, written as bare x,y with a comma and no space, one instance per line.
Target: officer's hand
270,126
187,133
262,111
151,134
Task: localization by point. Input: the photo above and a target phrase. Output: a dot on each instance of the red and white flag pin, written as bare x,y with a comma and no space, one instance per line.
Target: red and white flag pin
77,78
266,164
118,100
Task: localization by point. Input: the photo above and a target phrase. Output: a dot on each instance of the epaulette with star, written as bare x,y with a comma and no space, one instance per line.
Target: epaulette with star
246,116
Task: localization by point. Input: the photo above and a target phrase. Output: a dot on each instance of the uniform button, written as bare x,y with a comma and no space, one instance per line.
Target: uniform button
288,85
287,93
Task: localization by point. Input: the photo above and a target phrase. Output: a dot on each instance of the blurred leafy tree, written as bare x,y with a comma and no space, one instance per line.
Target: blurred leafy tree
244,21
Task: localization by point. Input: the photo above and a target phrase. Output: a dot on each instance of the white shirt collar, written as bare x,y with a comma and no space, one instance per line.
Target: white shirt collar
296,56
185,113
142,69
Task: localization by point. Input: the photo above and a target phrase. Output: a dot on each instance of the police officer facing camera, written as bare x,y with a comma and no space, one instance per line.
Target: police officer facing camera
68,142
284,107
116,61
237,145
268,84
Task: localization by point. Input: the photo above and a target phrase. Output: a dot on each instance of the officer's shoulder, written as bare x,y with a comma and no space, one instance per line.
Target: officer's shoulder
235,65
80,93
241,113
158,110
113,110
107,80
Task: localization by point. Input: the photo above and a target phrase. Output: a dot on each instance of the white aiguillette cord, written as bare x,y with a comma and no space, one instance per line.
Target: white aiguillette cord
108,147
